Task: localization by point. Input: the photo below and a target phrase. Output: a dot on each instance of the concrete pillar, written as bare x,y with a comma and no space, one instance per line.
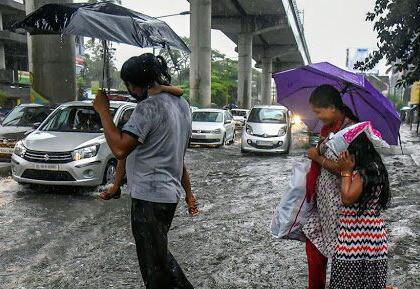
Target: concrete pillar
2,53
267,70
2,57
200,61
245,69
51,63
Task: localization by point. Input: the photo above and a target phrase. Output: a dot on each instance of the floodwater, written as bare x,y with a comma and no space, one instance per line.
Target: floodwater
61,238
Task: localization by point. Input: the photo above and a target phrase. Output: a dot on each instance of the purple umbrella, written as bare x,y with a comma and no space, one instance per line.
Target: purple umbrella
294,88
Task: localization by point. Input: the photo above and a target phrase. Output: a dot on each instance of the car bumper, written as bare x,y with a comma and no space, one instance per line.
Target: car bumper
87,172
251,143
206,139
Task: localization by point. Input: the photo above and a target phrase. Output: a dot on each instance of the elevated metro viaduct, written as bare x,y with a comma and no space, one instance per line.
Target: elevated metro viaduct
268,31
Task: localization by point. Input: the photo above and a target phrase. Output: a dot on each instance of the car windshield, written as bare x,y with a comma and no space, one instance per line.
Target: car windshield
267,115
238,112
207,116
75,119
26,116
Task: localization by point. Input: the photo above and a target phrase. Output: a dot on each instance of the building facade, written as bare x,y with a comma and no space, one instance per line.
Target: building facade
14,75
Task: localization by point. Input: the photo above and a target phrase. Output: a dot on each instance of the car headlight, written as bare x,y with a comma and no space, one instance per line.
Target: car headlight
85,153
20,149
282,131
249,129
217,131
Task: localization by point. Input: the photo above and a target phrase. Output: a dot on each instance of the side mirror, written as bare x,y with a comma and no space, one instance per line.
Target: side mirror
36,125
228,121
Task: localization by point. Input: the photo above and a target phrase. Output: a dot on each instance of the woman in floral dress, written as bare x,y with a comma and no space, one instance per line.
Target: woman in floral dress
324,184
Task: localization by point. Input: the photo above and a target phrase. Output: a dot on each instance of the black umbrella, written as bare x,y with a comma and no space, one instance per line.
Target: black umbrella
105,21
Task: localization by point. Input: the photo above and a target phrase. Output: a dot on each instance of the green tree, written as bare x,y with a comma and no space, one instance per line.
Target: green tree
224,79
397,23
95,64
224,74
178,62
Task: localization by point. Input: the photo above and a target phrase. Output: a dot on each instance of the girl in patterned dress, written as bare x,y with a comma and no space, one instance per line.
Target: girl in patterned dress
360,258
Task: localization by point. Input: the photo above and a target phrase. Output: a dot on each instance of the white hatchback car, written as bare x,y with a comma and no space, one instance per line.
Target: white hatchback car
69,148
212,127
268,129
239,116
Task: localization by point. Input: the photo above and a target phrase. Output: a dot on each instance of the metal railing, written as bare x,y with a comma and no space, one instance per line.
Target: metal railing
298,14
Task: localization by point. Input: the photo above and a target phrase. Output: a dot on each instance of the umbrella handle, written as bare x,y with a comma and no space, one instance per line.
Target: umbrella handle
105,50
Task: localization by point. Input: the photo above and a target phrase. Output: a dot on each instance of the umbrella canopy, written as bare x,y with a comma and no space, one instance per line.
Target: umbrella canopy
105,21
294,88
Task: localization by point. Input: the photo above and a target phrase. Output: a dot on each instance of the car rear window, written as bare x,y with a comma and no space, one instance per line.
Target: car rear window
267,115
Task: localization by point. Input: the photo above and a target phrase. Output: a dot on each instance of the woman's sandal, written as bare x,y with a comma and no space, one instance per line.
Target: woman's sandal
107,196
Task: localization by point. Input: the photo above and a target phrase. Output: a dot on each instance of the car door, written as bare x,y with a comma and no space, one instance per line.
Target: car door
124,116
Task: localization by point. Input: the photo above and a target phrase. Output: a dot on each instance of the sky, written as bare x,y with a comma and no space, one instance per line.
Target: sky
330,27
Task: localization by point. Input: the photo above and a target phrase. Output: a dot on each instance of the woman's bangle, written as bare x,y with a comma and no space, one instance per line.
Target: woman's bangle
345,174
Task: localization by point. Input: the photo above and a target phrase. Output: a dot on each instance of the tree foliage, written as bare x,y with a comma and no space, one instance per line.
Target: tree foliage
95,64
397,23
223,77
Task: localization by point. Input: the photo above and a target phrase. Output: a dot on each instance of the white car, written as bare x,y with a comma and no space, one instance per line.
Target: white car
268,129
212,127
69,148
193,108
239,116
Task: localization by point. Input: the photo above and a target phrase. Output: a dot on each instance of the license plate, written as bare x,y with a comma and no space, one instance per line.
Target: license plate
47,167
265,143
8,151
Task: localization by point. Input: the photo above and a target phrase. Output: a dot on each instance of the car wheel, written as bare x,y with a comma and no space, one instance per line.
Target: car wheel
233,138
288,146
223,141
109,174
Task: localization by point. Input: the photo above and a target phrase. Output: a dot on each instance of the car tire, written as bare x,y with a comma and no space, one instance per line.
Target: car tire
288,146
233,138
110,170
223,141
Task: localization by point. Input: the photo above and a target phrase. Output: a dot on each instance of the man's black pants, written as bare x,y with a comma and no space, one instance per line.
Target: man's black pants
150,223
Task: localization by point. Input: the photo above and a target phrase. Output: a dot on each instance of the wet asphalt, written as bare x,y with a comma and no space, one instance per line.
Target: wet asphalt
66,238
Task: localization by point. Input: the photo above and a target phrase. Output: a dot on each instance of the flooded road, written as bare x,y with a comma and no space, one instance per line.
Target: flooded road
67,239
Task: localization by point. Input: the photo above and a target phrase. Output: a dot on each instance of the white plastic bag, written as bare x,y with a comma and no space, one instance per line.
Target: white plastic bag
293,209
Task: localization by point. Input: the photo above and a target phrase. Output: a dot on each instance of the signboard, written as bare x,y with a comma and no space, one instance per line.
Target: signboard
355,55
24,77
415,93
80,61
